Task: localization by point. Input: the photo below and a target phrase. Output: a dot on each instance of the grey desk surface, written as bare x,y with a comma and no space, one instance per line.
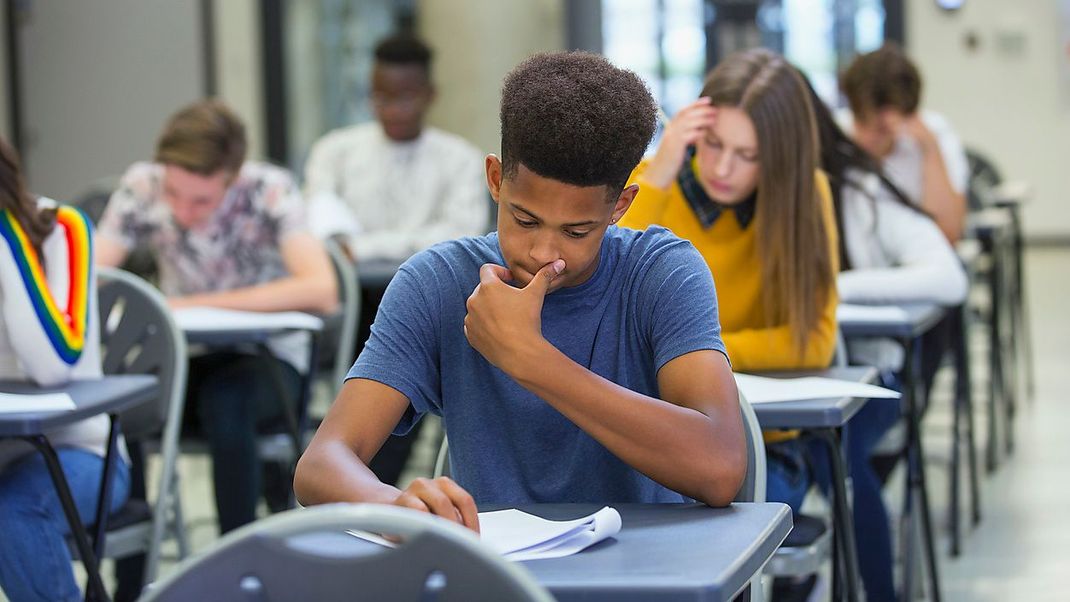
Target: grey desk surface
224,337
665,552
920,317
377,273
815,413
111,394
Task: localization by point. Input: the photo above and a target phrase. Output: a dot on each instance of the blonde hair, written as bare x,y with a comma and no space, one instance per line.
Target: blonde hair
203,137
793,241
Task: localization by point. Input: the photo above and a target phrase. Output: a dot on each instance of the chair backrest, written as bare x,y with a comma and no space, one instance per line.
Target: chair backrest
839,355
753,487
305,554
346,321
139,336
983,178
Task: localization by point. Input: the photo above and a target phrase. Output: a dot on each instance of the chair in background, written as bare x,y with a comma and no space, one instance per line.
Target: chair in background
138,336
289,556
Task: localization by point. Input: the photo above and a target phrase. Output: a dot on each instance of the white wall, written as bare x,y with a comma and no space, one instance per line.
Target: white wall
239,67
1009,98
5,109
476,43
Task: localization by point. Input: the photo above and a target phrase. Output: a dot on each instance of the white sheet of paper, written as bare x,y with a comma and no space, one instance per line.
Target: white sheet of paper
762,389
850,312
518,535
14,403
208,319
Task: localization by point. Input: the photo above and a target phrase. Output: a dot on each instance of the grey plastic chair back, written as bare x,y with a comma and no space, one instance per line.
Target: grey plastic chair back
839,355
753,488
139,336
346,322
305,555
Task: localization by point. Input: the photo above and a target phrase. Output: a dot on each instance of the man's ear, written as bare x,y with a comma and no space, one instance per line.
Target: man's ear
624,201
493,166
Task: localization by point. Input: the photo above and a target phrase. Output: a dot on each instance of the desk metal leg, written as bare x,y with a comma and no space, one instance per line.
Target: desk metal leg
843,517
1022,322
104,496
916,482
95,587
995,359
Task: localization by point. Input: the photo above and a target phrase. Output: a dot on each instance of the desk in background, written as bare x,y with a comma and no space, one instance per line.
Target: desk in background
108,395
905,324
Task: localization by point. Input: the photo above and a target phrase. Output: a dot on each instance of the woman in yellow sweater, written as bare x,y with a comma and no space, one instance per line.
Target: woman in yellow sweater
736,173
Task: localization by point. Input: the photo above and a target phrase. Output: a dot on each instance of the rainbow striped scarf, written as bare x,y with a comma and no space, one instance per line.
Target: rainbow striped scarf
66,330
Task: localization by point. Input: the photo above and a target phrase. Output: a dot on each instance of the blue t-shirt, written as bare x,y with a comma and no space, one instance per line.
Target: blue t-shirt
650,300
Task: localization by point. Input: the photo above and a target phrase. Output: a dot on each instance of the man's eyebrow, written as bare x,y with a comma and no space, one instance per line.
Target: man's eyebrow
517,207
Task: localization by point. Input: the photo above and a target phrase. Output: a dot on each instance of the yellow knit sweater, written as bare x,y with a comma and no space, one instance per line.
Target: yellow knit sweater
732,254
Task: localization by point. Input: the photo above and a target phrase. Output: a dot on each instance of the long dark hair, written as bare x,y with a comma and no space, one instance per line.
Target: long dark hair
792,235
839,154
15,198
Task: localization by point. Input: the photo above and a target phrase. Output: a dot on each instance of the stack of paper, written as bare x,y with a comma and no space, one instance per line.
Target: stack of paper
518,535
209,319
761,389
13,403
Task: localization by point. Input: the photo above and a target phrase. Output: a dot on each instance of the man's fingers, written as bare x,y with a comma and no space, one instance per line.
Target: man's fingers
541,282
491,272
462,501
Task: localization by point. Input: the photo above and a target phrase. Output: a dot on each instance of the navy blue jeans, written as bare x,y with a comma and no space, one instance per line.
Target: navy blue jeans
795,465
236,399
35,563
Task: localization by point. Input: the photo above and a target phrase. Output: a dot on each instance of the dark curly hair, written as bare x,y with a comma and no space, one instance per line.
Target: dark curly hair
575,118
403,49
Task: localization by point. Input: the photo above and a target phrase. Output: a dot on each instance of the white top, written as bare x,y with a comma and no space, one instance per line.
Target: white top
27,354
904,164
392,199
897,255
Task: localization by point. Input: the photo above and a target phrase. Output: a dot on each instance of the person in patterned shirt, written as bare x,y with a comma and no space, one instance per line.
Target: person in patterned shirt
230,233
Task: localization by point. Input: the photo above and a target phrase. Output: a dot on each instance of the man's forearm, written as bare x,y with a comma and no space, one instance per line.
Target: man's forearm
331,472
939,197
681,448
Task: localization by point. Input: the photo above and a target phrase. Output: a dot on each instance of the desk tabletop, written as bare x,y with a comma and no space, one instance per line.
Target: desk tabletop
815,413
377,273
916,320
665,552
214,326
110,394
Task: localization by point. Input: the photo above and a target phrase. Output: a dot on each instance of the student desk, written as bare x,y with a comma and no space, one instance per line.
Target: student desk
108,395
994,229
224,329
664,552
912,321
824,419
375,274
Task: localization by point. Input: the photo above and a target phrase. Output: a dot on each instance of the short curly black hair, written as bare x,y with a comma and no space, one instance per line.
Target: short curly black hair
575,118
403,49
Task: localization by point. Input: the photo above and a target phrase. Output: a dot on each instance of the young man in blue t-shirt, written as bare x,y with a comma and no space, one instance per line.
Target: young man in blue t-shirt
571,360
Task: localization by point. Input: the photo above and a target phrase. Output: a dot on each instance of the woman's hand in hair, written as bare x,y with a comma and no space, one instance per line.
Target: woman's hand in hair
686,129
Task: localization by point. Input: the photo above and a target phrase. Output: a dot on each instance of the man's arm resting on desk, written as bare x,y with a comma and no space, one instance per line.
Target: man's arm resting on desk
334,467
311,285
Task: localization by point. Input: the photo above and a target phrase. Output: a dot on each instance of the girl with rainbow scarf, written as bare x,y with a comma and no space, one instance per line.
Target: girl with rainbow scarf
49,334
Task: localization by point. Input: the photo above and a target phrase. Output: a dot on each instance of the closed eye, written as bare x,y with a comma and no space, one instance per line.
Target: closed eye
523,223
575,234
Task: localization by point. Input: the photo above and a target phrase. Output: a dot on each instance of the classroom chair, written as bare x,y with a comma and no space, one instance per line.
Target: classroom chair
138,336
289,556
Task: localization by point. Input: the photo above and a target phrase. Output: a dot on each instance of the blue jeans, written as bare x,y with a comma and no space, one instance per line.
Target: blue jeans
236,397
795,465
35,563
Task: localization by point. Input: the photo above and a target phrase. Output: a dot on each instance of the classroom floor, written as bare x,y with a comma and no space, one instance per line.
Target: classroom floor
1019,551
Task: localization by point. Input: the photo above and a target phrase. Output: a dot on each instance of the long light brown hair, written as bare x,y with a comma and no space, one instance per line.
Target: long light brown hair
15,198
793,238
